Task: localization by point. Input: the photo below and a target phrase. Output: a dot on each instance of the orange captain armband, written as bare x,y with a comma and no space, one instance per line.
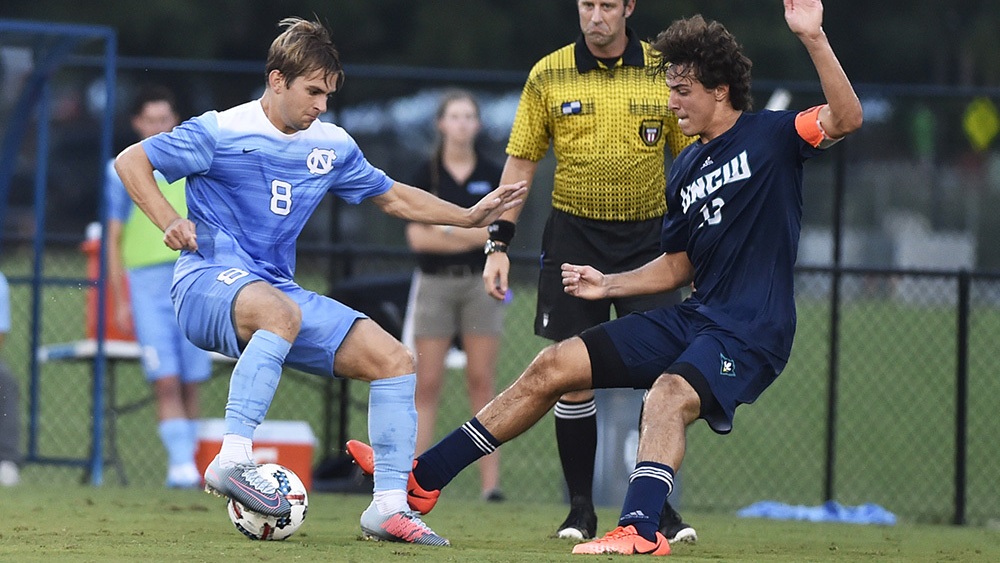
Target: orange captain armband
811,130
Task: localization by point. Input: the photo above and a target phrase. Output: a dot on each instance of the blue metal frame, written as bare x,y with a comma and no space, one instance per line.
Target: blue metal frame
52,44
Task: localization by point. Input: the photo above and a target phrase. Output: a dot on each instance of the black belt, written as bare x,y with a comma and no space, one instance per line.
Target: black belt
450,270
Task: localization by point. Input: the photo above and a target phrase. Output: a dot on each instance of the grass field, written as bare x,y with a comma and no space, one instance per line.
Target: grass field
77,524
895,439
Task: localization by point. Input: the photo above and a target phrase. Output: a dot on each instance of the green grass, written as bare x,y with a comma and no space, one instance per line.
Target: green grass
895,434
76,524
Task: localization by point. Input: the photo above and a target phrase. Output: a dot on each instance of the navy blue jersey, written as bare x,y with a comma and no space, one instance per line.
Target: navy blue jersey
735,206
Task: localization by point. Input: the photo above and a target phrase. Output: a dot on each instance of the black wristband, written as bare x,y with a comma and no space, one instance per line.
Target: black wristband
501,231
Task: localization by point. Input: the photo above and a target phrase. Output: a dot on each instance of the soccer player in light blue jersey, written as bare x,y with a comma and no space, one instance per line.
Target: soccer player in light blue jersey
255,173
734,208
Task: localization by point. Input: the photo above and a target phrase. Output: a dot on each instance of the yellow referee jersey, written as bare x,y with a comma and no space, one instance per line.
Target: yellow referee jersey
608,128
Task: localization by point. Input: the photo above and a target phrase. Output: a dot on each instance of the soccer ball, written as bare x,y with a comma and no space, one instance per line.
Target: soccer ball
257,526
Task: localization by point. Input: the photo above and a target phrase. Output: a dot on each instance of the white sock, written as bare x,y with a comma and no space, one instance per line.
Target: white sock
235,450
390,502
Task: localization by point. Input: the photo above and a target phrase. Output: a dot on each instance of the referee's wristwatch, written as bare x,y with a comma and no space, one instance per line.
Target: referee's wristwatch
494,246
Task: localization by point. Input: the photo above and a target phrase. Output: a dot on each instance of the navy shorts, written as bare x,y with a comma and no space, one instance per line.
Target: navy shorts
633,351
204,302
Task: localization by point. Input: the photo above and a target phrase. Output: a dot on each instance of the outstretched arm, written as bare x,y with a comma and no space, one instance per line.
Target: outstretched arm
421,206
842,115
666,272
444,239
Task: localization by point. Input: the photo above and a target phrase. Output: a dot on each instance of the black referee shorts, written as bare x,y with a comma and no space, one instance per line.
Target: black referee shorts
609,246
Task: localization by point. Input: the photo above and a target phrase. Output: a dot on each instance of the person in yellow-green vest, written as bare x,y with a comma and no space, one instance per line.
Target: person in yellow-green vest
136,252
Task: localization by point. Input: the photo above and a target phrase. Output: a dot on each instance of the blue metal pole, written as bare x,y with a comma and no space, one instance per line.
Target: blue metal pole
37,94
100,359
41,181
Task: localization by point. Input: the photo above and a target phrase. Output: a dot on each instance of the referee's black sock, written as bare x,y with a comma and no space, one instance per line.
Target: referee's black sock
576,436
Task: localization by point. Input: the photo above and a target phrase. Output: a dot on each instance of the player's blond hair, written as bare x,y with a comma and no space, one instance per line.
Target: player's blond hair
302,48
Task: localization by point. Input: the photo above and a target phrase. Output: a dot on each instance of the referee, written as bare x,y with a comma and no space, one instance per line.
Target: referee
608,123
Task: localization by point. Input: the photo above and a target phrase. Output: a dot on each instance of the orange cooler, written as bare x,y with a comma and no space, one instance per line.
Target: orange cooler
286,442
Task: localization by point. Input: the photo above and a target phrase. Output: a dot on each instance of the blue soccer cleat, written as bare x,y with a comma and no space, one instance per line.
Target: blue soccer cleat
244,484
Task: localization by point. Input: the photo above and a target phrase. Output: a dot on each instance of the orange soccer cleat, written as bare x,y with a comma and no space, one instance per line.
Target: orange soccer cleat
419,499
624,541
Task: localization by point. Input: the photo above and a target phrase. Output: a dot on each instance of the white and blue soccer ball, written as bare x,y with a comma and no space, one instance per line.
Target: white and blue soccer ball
257,526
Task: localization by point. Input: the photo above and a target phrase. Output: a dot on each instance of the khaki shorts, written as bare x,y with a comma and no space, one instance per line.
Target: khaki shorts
444,305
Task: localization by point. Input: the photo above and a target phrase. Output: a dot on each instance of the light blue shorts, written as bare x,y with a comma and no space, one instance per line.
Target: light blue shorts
165,351
204,302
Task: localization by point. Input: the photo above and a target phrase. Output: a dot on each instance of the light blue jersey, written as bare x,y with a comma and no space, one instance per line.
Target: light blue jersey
250,191
251,188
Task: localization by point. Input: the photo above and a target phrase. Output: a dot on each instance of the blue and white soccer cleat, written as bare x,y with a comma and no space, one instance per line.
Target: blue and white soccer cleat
244,484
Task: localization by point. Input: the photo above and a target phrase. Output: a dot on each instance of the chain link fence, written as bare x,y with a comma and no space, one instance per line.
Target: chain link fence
889,427
892,437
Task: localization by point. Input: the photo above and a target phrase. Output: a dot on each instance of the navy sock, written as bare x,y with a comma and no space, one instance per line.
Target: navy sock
439,465
649,485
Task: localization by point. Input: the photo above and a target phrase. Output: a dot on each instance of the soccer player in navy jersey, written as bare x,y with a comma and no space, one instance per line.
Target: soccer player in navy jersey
732,228
255,174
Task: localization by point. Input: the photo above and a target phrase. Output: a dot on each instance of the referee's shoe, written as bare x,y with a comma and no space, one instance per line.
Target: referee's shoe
673,528
581,524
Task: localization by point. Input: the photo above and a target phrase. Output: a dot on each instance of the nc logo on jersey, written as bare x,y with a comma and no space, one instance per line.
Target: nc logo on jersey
320,161
727,367
650,131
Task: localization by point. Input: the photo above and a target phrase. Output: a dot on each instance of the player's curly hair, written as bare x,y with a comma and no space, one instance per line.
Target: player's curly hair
707,49
302,48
